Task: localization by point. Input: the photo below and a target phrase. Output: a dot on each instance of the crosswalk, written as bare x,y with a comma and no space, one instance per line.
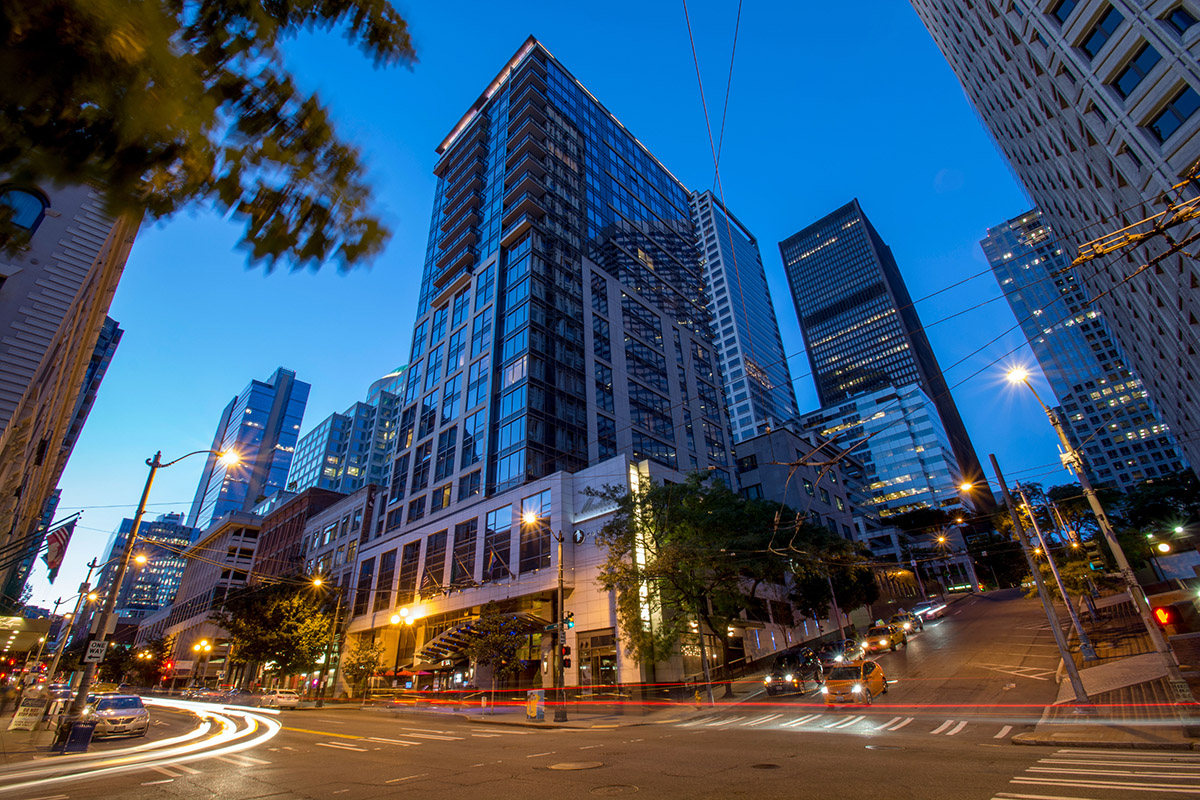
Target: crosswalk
858,723
1101,774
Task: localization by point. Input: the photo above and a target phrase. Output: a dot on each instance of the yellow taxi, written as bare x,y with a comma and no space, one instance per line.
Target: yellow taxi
857,682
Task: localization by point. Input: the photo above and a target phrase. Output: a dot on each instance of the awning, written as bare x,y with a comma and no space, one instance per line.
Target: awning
453,641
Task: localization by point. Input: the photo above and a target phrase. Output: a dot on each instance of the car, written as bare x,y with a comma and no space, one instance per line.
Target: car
885,637
242,697
858,682
929,609
790,671
911,623
279,698
840,651
117,715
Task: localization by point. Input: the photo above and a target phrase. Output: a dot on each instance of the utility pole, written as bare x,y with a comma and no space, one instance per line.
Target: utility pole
1081,696
560,710
1085,644
63,635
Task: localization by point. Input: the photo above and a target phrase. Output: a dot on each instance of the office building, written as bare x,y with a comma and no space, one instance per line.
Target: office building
562,342
281,543
757,381
345,452
54,297
261,425
1094,103
862,332
1103,403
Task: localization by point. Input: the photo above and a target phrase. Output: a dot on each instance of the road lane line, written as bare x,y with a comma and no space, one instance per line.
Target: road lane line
156,783
900,725
503,733
943,726
884,726
539,755
421,730
410,777
957,728
1090,761
333,746
323,733
700,721
392,741
1123,773
1013,796
434,737
1003,732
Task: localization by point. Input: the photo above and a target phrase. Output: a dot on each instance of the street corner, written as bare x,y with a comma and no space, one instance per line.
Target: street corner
1103,737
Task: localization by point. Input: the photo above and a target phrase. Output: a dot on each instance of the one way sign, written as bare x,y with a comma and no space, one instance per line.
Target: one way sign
95,652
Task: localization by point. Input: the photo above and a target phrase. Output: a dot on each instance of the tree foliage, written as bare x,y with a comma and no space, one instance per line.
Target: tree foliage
821,557
118,661
677,552
362,661
278,624
497,641
1077,576
169,105
149,670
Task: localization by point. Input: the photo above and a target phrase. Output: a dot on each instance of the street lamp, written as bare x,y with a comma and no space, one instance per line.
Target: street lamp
227,457
406,618
318,582
202,648
1073,460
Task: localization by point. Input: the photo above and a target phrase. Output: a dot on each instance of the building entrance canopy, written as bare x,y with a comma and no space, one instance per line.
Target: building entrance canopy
452,642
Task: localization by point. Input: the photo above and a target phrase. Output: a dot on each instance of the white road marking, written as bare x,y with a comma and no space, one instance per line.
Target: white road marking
701,721
1136,787
1003,732
410,777
51,797
391,741
798,722
503,732
1012,796
156,783
486,735
957,728
943,726
845,723
900,725
423,730
1159,764
1117,772
434,737
241,760
337,746
591,746
761,720
724,722
889,722
539,755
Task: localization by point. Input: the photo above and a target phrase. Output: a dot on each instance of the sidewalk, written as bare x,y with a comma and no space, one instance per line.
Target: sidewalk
1126,685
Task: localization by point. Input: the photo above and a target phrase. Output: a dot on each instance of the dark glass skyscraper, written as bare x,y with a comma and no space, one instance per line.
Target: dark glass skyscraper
860,328
1107,410
262,425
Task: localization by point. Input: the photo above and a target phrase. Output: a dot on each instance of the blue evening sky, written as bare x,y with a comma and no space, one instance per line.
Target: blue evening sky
825,106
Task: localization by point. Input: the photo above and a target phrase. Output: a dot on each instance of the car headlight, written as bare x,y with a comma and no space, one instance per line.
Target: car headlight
788,677
837,658
824,690
883,641
908,626
856,688
767,679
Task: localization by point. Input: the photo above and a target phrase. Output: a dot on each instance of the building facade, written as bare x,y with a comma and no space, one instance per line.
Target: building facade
754,369
152,585
1105,407
1094,103
861,329
897,434
262,425
281,543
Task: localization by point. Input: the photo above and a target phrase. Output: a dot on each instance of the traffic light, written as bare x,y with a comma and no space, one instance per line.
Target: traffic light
566,656
569,619
1095,560
1166,615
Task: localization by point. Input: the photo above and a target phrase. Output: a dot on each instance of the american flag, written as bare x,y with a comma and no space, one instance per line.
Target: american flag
56,547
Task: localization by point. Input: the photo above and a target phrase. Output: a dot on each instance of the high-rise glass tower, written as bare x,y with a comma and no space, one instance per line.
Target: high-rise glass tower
1106,408
861,330
261,425
1094,103
758,384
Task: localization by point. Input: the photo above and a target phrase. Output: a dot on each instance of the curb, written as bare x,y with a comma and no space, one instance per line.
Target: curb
1049,740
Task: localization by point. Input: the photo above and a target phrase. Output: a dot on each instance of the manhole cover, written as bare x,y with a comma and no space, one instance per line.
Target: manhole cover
764,766
577,765
881,747
620,788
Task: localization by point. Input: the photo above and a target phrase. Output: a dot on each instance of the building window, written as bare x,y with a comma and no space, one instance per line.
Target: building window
535,532
1175,114
1180,19
1103,31
496,544
1138,69
808,487
434,575
469,485
754,492
462,565
439,498
28,208
1063,10
747,463
416,509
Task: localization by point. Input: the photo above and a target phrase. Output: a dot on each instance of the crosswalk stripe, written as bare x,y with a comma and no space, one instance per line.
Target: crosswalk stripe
1115,772
486,735
1084,784
884,726
723,722
1003,732
761,720
392,741
697,722
1097,762
499,732
943,726
187,769
337,746
801,721
957,728
434,737
900,725
846,722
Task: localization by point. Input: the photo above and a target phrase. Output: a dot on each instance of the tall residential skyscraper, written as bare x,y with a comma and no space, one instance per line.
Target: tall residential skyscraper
758,384
861,330
345,452
1105,406
262,425
1094,103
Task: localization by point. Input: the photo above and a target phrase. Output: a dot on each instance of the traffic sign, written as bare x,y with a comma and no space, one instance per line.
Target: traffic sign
550,628
95,652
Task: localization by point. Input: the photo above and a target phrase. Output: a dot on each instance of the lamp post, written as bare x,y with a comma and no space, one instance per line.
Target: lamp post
107,618
333,630
1073,460
202,648
404,618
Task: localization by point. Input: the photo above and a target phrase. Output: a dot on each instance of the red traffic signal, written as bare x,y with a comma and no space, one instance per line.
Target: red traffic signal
1166,615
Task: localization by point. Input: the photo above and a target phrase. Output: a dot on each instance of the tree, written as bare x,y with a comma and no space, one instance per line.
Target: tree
821,557
118,660
1158,505
149,660
362,662
681,552
170,105
497,640
279,624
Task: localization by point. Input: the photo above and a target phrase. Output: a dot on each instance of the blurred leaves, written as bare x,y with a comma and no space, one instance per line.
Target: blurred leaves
170,105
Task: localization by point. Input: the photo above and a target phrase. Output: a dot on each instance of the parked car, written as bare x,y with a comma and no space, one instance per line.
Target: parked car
885,637
911,623
279,698
854,683
929,609
242,697
117,715
791,670
842,651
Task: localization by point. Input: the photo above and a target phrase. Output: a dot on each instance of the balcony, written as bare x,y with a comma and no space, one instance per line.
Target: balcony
456,172
532,144
454,216
529,125
469,182
532,163
472,218
534,109
522,204
532,72
451,248
522,183
530,219
456,265
473,142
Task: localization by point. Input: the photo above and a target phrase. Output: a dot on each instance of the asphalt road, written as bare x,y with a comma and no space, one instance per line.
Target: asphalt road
961,690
